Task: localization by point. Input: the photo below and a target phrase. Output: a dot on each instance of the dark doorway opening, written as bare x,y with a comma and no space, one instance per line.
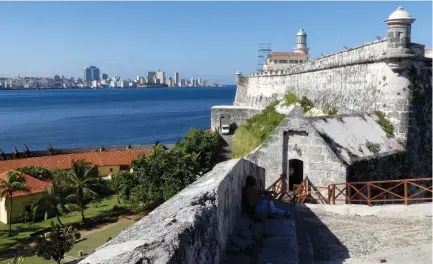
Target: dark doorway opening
296,172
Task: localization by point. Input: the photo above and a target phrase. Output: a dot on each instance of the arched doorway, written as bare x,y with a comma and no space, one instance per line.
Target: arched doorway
296,172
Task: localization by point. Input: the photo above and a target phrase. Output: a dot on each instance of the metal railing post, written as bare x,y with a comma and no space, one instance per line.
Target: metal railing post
368,194
349,194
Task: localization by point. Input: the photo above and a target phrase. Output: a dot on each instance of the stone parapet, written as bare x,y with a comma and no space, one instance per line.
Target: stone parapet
191,227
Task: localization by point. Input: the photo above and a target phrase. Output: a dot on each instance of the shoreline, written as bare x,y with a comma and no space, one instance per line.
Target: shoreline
108,88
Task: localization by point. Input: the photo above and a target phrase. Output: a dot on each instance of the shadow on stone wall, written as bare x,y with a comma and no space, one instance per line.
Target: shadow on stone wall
419,130
315,240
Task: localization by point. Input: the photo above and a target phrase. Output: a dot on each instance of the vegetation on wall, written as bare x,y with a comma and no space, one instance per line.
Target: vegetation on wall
256,130
330,110
385,124
306,104
375,148
290,98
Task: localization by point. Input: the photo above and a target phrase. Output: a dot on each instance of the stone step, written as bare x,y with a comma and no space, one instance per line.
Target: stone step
306,254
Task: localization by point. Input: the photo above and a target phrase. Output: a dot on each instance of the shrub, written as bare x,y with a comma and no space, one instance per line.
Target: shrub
385,124
306,104
375,148
256,130
328,110
290,98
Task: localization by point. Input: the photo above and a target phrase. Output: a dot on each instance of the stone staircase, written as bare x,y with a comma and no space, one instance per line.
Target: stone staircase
276,240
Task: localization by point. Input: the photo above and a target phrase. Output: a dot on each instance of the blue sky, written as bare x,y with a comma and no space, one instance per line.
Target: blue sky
211,40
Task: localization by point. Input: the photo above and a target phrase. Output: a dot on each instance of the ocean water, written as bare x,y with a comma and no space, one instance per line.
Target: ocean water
106,117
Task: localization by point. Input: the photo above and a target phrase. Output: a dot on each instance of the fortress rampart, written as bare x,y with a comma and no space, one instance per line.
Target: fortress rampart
191,227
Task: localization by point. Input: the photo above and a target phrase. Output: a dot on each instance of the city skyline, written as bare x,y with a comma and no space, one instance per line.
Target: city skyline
226,34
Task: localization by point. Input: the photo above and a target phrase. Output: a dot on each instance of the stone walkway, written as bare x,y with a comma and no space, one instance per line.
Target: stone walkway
349,239
270,242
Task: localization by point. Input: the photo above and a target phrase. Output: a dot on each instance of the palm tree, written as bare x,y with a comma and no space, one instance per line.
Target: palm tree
55,201
116,182
81,179
14,182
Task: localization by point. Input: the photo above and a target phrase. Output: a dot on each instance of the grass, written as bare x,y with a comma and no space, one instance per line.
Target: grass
290,98
16,240
256,130
89,243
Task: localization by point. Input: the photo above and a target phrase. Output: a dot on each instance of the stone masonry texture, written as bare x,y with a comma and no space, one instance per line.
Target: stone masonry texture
191,227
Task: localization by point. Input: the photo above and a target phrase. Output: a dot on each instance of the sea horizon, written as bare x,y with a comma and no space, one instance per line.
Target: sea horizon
80,118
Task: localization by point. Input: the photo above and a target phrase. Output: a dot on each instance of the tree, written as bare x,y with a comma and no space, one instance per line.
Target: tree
59,242
116,182
55,201
36,172
204,146
81,181
14,182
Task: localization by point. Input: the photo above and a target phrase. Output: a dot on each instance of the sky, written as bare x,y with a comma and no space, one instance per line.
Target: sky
211,40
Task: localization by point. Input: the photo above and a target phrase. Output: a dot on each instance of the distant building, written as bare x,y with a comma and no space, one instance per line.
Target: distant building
170,82
182,82
150,77
104,76
176,79
95,84
193,82
91,74
160,76
284,60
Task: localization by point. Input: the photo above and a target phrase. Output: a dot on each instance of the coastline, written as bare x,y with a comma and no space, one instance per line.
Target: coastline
108,88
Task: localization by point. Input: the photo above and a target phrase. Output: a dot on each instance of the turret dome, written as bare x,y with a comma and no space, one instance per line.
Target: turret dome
400,14
301,32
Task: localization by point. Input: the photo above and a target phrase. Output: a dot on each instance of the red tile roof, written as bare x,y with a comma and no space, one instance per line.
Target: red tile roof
107,158
35,185
289,54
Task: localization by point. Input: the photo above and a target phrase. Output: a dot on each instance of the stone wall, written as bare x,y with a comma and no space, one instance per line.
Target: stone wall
191,227
302,142
335,78
237,115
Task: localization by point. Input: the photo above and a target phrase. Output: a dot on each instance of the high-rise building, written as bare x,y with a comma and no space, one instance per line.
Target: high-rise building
170,82
160,76
104,76
150,77
176,79
91,74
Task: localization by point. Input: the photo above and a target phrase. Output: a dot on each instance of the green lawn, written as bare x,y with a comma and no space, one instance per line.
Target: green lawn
26,229
90,242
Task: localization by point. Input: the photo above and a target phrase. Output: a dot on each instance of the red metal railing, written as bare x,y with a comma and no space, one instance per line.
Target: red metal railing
406,190
372,192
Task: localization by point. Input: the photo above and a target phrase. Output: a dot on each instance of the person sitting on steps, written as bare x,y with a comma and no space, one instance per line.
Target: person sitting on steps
259,202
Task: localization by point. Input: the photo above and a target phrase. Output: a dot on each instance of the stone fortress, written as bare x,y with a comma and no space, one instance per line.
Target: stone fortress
387,78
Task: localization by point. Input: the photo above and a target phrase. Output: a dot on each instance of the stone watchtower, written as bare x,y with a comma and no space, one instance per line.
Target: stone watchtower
238,76
398,41
301,42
